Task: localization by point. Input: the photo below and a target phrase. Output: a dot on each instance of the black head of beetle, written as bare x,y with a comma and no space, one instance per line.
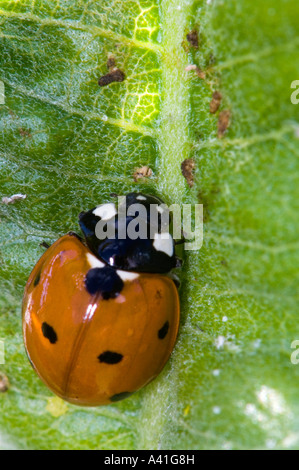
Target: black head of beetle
129,237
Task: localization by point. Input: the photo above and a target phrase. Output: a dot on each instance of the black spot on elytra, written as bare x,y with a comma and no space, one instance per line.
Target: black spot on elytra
110,357
120,396
164,330
49,333
104,281
37,279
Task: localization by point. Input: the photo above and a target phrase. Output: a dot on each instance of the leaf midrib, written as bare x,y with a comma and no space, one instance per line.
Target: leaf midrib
174,148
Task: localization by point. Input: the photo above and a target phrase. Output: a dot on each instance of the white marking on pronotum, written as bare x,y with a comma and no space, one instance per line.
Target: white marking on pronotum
13,199
163,242
127,276
105,211
94,262
141,198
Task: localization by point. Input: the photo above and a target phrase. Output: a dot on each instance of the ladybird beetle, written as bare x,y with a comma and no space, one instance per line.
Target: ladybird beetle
101,317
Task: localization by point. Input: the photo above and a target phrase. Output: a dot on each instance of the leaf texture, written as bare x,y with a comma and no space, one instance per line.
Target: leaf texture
67,143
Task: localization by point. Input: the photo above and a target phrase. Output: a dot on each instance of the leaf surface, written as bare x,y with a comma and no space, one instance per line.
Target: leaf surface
67,143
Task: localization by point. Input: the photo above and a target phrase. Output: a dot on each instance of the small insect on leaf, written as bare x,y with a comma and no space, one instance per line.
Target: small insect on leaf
223,122
187,168
193,39
115,75
13,199
215,102
111,62
4,383
143,172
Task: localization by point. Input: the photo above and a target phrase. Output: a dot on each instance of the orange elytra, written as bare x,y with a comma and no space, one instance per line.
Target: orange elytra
93,332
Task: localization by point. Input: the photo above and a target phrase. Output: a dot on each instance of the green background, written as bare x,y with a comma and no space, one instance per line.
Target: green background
67,143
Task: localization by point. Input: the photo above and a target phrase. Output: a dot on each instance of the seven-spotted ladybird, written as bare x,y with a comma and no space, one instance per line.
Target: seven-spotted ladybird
101,317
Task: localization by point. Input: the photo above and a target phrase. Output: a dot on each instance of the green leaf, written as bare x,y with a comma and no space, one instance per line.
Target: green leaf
67,143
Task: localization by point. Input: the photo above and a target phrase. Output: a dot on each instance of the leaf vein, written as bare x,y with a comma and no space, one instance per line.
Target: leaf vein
127,125
92,29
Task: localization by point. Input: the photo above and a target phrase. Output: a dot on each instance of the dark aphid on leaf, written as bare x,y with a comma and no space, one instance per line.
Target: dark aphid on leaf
101,317
116,75
193,39
223,122
111,63
187,168
142,172
215,102
4,383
